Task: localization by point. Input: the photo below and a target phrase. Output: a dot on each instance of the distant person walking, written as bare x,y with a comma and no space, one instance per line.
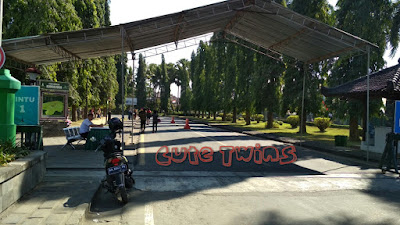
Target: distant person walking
99,113
155,120
130,114
143,117
148,113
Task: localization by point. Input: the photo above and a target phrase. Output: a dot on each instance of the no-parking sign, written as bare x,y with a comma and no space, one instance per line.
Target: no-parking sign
2,57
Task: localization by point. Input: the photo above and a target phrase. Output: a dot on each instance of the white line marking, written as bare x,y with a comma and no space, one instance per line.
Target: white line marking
129,152
209,138
148,215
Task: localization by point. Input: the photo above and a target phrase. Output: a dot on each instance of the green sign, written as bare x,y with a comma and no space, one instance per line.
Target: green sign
27,106
54,105
47,85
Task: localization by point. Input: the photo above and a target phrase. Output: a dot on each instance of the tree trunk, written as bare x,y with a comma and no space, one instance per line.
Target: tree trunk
364,123
224,116
353,135
248,117
215,115
85,113
270,119
202,114
104,112
209,115
303,127
234,115
74,113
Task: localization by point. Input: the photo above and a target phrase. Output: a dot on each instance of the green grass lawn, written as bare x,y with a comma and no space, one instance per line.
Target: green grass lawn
313,133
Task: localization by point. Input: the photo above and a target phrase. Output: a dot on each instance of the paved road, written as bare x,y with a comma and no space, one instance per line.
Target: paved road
316,189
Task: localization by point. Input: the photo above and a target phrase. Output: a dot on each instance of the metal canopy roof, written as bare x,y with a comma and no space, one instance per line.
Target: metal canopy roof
261,22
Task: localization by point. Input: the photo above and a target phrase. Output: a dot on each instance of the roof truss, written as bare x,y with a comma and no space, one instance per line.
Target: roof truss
260,22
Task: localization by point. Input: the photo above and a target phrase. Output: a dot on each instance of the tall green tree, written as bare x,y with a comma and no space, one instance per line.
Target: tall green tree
211,81
65,15
186,93
222,81
245,78
173,77
165,86
154,76
196,90
373,24
141,84
94,14
34,17
312,75
198,78
267,85
119,98
230,82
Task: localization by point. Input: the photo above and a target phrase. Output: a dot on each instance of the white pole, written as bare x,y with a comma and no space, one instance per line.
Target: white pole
368,71
122,86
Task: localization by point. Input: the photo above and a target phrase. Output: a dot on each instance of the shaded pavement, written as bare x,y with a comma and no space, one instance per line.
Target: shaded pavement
71,181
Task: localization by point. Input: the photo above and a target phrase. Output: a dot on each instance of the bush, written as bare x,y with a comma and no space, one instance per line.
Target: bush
9,153
259,117
322,123
229,116
274,125
221,114
293,121
279,122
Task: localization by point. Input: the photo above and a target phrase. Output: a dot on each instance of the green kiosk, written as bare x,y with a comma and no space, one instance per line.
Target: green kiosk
8,87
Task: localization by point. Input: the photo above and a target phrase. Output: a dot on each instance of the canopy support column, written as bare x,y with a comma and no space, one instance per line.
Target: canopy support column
368,72
302,100
133,88
122,87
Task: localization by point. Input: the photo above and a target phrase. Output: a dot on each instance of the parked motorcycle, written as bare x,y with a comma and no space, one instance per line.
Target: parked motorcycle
118,175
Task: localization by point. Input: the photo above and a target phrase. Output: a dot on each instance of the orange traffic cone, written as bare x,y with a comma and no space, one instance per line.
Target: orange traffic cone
187,127
172,121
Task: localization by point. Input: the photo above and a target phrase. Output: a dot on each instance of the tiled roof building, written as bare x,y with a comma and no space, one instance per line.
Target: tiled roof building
383,84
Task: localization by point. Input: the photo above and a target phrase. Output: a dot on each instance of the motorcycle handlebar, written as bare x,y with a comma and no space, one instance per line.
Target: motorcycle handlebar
102,141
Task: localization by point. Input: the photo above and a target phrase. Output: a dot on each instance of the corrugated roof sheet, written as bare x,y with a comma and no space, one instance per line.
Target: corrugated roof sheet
261,22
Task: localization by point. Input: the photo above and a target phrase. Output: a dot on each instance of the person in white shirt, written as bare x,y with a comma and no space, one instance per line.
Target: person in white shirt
84,129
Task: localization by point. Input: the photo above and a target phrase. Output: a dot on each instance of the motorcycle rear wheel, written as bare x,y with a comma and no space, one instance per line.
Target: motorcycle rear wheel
124,195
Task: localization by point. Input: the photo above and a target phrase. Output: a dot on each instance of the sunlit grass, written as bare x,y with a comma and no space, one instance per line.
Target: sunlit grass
313,133
97,121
